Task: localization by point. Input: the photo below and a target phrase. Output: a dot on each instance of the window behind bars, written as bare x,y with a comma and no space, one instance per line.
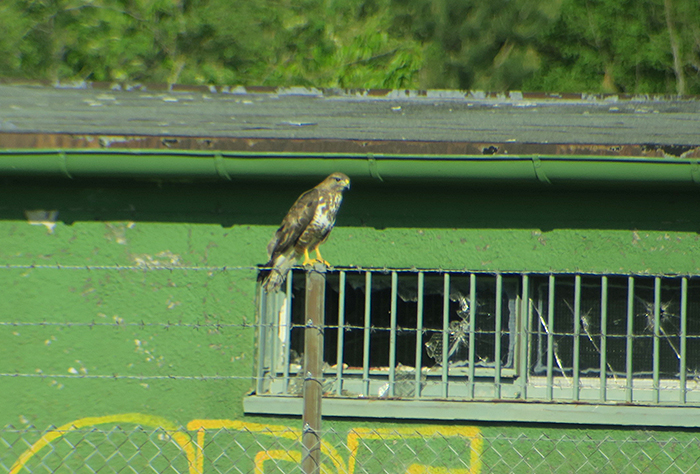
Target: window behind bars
555,337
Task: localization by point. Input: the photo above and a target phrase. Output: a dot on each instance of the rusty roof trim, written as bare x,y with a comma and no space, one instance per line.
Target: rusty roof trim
18,140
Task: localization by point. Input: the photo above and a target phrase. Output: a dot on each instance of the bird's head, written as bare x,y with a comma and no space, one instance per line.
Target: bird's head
337,182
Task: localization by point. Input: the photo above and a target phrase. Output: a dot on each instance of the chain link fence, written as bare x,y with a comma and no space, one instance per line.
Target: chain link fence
226,446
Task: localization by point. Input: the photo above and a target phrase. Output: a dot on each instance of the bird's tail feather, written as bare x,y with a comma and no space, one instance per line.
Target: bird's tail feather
278,273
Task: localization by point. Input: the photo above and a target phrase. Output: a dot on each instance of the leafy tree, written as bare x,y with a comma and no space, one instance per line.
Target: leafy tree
342,44
636,46
614,46
474,44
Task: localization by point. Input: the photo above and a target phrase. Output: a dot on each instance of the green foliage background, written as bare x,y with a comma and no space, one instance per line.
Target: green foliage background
632,46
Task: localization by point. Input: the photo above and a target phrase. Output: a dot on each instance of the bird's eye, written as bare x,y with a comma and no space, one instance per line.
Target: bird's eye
337,178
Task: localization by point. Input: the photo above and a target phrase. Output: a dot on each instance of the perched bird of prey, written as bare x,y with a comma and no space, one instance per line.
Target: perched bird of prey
306,226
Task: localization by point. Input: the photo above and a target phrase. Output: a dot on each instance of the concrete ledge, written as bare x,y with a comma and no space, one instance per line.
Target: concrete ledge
526,412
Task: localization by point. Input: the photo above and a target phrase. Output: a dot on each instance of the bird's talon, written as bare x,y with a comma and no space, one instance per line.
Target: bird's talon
315,261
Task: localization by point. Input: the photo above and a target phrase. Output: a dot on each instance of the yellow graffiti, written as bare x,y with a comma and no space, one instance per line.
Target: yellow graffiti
194,450
258,428
281,455
471,433
275,454
182,439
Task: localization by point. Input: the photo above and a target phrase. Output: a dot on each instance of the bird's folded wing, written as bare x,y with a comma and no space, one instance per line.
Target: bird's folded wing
295,222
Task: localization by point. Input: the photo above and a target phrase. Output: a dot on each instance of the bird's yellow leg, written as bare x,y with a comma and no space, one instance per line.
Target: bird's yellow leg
320,259
307,259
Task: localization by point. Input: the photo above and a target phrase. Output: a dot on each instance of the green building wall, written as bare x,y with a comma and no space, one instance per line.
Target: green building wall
138,305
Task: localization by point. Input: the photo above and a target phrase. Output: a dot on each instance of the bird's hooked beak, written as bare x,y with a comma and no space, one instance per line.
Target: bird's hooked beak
338,181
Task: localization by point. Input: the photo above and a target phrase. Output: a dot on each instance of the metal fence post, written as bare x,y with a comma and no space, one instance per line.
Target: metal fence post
313,368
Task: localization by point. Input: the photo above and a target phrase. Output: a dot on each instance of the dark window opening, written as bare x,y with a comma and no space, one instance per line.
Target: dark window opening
407,325
459,335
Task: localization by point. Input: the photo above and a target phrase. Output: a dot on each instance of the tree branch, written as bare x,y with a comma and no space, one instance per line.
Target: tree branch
677,66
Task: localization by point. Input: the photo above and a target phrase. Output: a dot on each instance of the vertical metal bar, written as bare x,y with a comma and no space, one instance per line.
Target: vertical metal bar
539,329
525,316
272,313
657,338
550,337
497,337
392,333
278,324
263,295
472,335
368,323
272,333
341,333
419,334
445,333
577,334
313,368
286,332
630,339
603,338
683,336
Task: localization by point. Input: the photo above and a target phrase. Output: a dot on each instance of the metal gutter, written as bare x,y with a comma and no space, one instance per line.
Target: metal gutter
197,165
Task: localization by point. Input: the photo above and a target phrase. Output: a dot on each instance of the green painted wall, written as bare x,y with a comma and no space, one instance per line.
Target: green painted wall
77,342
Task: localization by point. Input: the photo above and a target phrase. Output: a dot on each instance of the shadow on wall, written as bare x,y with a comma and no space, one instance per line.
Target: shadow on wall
366,205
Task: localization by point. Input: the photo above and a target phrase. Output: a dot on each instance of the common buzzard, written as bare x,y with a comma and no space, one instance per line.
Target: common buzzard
306,226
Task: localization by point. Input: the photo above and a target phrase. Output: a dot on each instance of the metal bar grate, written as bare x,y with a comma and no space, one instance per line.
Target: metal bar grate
447,335
392,334
630,341
550,338
260,366
497,336
523,333
341,333
472,331
366,340
577,337
603,337
683,336
286,332
420,293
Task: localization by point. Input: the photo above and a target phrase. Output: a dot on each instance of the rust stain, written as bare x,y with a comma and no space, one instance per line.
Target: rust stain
19,140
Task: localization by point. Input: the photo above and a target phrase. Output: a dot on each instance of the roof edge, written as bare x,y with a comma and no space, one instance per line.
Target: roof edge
546,170
239,89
